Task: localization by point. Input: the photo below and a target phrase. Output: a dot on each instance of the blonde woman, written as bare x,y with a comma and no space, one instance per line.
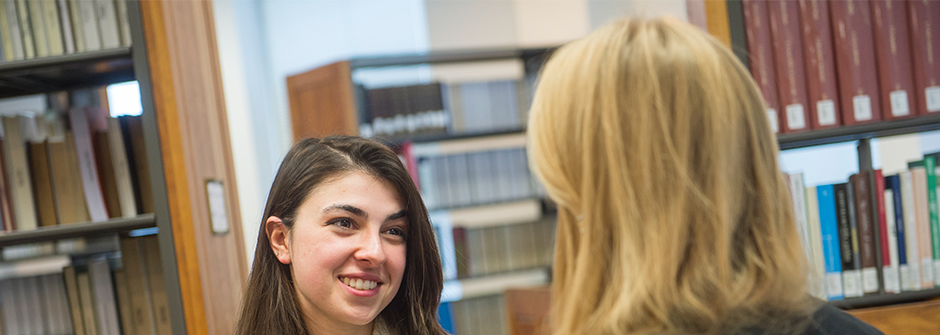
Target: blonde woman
673,214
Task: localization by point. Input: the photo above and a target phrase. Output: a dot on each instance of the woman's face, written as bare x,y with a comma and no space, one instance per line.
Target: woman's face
347,249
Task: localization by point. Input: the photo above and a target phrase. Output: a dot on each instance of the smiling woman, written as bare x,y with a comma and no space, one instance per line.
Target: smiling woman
345,247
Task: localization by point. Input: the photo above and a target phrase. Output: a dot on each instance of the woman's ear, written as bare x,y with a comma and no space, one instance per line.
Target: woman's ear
277,236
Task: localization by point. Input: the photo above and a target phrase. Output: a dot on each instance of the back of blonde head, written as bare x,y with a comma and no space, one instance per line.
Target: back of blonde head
673,215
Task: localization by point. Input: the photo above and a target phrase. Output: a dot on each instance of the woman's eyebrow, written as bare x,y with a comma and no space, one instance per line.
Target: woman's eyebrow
349,208
398,215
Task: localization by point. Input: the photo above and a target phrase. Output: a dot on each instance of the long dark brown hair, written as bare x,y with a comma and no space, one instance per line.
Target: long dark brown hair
270,306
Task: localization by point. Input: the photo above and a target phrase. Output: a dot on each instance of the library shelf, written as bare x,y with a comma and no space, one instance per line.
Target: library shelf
397,140
83,229
473,287
886,299
63,72
492,215
916,124
454,56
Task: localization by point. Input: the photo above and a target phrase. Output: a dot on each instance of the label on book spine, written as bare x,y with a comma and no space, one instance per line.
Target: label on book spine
932,94
892,285
914,276
870,280
834,284
936,271
927,264
862,106
905,272
899,105
795,117
852,283
772,115
826,112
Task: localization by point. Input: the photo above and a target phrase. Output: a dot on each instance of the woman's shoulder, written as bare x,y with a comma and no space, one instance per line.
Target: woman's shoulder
828,320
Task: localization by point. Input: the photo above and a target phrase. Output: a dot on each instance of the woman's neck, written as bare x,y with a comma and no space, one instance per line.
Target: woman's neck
326,326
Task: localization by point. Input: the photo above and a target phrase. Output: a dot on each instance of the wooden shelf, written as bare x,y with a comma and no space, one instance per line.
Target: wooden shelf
494,284
63,72
851,133
886,299
77,230
446,57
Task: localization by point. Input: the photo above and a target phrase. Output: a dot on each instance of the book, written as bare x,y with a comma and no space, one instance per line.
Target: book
818,260
821,80
102,287
91,186
787,44
123,294
124,26
106,175
70,278
132,130
798,200
78,26
107,24
924,23
892,45
851,273
67,187
855,60
86,299
16,167
22,12
934,221
65,22
893,188
42,184
124,183
137,283
36,18
9,309
884,198
150,248
911,231
50,18
88,19
862,190
922,212
7,32
761,61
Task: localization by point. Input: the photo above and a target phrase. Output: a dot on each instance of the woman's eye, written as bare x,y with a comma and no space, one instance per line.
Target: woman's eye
396,232
342,223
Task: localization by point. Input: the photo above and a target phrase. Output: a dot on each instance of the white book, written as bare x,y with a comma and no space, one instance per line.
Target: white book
34,305
124,26
18,174
6,36
91,187
78,25
8,307
817,263
122,174
89,22
22,12
13,27
442,223
49,310
37,22
102,287
461,179
108,24
65,21
50,13
428,183
910,232
892,271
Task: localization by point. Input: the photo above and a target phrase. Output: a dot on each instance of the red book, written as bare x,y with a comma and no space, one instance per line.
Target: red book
892,46
821,81
855,61
791,75
757,28
924,20
883,225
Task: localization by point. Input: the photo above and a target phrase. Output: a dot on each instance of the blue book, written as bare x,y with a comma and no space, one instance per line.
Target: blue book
893,182
446,318
829,232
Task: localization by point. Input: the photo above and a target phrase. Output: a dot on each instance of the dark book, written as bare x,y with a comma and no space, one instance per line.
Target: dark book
757,28
791,75
893,183
851,276
855,61
924,23
821,80
42,183
461,252
736,27
106,175
864,218
132,129
892,45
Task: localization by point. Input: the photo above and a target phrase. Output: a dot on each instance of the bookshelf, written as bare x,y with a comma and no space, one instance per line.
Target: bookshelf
174,59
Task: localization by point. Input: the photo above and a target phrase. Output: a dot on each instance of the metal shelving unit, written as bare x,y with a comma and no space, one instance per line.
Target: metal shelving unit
84,229
886,299
916,124
64,72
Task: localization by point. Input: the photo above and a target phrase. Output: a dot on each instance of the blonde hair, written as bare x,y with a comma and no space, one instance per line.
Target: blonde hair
673,215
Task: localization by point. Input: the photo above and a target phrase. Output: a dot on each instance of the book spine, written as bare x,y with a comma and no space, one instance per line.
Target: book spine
829,229
924,23
895,275
6,38
757,28
22,11
865,230
892,46
910,230
18,174
855,61
818,260
823,93
931,172
851,273
50,12
78,27
924,244
41,42
65,21
787,44
107,24
91,186
904,271
888,238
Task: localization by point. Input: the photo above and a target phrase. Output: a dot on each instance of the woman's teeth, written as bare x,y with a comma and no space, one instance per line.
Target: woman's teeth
360,284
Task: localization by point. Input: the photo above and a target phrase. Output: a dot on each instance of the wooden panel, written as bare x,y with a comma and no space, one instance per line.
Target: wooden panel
527,310
321,102
908,319
194,140
716,13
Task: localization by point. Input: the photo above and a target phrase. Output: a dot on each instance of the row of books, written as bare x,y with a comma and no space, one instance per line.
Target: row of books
40,28
824,64
70,164
98,295
874,234
466,179
469,107
483,251
480,315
